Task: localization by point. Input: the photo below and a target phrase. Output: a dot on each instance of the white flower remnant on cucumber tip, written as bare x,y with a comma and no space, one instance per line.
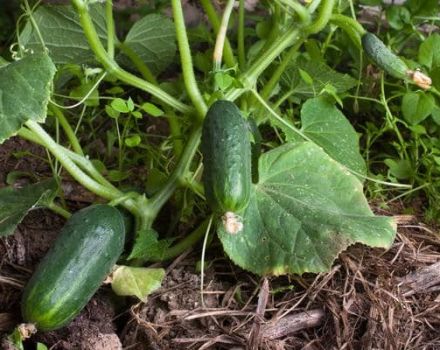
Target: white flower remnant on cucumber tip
420,79
232,223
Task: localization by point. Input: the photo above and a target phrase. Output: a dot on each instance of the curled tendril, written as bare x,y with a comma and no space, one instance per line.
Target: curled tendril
17,51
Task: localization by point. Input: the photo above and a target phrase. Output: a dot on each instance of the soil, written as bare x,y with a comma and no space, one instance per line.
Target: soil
372,299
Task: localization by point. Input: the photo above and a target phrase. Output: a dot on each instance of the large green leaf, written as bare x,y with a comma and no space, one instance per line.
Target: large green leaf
305,210
15,203
61,31
25,87
324,123
153,40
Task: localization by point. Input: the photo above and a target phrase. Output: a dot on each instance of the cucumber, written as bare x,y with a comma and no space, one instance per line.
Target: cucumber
383,57
82,256
226,150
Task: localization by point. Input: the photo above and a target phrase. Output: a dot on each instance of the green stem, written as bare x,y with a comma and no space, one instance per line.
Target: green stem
186,242
177,177
345,22
112,67
299,9
73,140
390,116
221,35
138,63
240,36
286,40
110,29
186,60
215,22
353,28
176,132
59,210
64,157
276,28
276,75
325,12
249,78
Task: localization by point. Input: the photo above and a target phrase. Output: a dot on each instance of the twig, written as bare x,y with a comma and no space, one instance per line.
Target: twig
292,324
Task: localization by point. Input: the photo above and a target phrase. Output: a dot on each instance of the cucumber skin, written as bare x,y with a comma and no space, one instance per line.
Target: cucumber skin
82,256
226,150
383,57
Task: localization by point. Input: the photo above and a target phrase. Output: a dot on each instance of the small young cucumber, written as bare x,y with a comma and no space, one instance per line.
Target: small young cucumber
383,57
82,256
226,150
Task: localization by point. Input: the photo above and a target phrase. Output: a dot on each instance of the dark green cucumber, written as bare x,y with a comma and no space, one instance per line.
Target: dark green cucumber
226,152
82,256
383,57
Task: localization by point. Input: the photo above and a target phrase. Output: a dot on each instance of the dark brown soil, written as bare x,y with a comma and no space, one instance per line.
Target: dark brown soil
371,299
363,303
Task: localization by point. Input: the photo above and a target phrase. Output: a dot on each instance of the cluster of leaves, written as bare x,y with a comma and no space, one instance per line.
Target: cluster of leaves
407,140
308,203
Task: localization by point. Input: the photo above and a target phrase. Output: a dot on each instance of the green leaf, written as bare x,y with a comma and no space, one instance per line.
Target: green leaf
305,77
120,105
417,106
325,124
400,169
133,141
398,16
16,203
147,246
321,75
304,211
25,88
84,89
3,62
41,346
152,109
136,281
62,33
223,80
429,51
153,40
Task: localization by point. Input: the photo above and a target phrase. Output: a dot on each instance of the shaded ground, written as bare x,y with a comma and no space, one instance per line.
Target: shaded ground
370,300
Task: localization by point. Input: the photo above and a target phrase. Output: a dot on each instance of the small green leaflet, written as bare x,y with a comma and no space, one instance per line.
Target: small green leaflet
147,246
16,203
136,281
417,106
299,78
429,51
305,210
25,88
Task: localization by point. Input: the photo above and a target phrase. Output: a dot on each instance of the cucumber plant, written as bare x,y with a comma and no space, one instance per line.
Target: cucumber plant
307,204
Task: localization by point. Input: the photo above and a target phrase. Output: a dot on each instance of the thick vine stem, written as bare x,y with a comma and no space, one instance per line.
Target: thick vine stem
240,36
110,28
67,129
113,68
177,177
186,60
215,22
325,12
92,185
221,35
